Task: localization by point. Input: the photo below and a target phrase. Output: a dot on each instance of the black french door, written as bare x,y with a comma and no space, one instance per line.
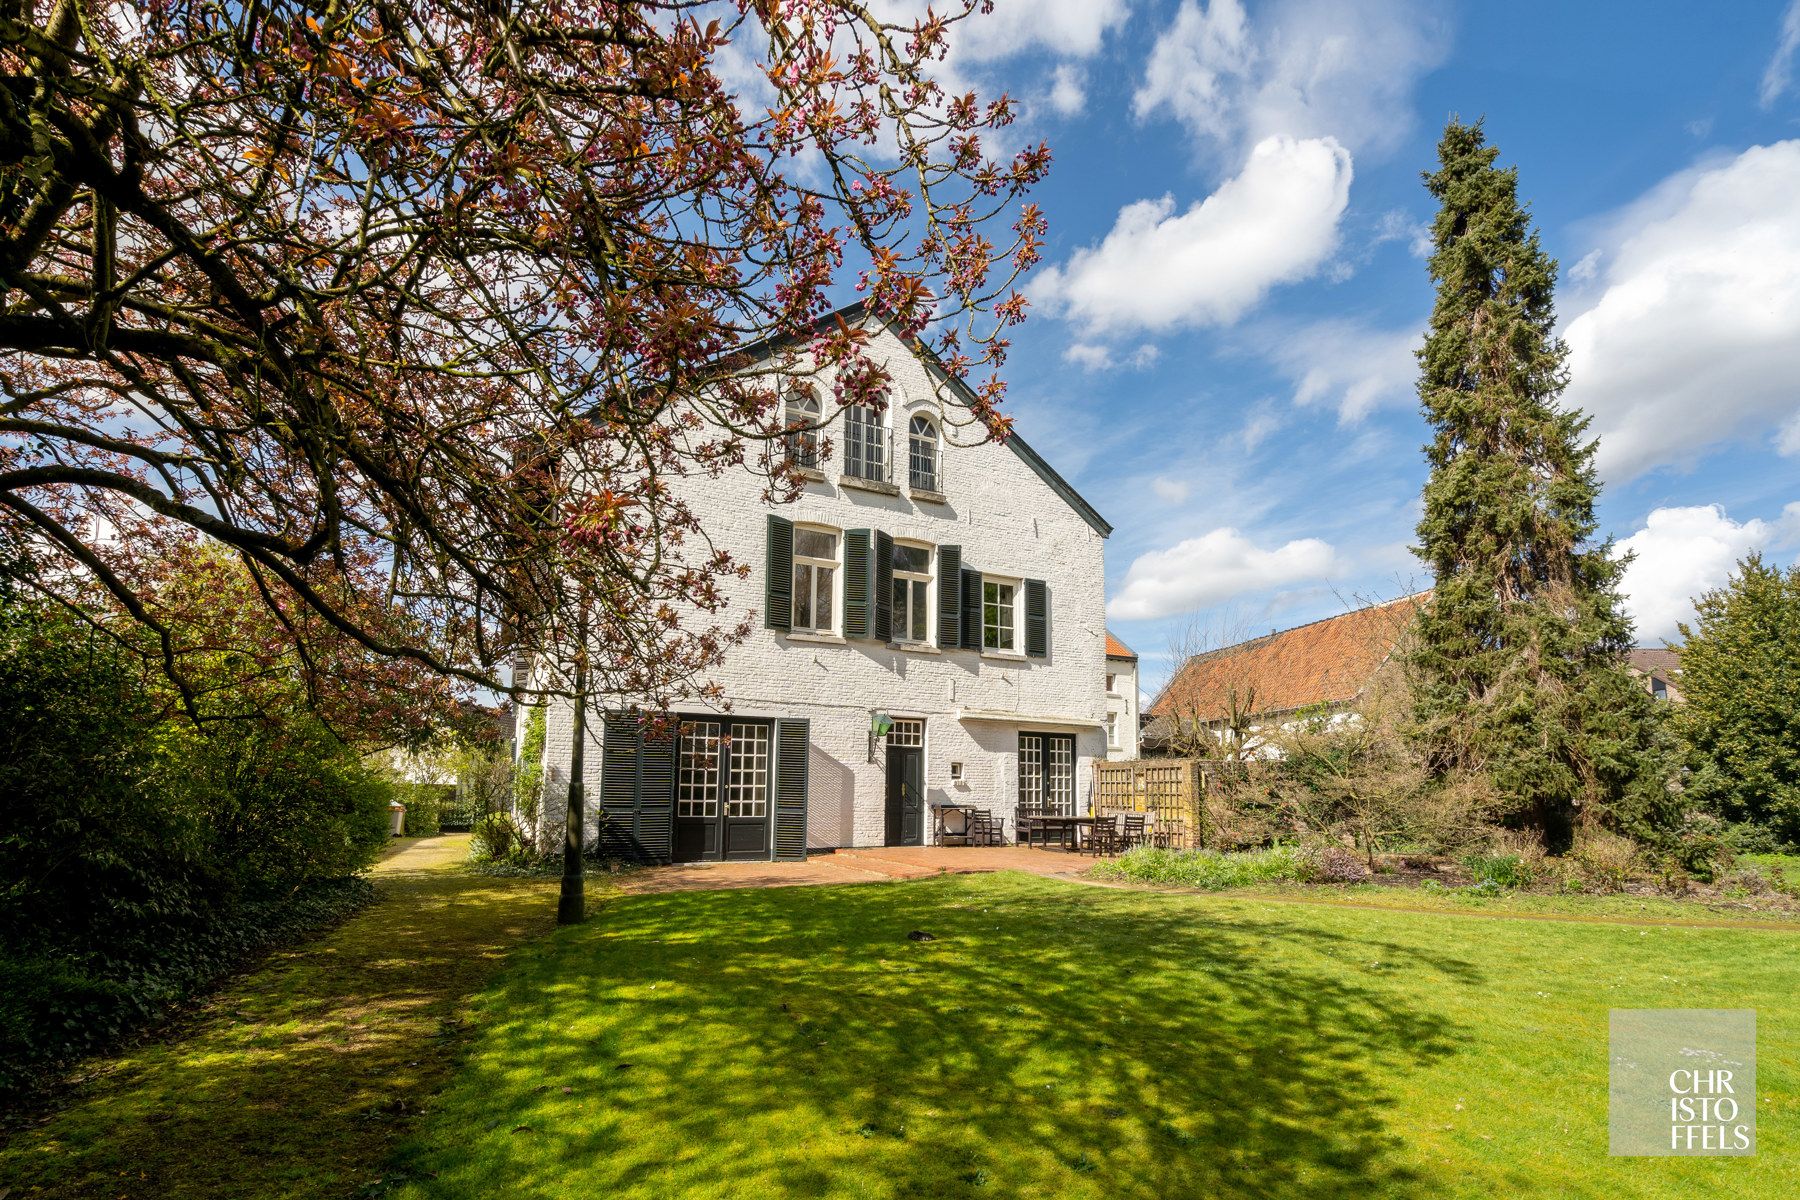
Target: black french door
722,773
1047,772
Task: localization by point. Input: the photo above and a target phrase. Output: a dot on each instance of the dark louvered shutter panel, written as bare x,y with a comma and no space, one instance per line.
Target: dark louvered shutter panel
856,583
791,738
949,582
971,609
618,785
882,626
778,562
655,802
1037,619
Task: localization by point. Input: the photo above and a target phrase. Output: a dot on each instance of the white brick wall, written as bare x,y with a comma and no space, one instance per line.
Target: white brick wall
1008,522
1122,706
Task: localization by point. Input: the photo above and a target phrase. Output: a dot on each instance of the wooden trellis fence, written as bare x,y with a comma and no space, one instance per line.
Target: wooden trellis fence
1171,790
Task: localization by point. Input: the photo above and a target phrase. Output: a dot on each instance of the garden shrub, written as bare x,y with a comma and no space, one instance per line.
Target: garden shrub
1606,860
1209,869
142,857
1502,870
1336,864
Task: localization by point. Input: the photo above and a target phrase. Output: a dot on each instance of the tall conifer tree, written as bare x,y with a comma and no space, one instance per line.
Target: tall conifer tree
1519,657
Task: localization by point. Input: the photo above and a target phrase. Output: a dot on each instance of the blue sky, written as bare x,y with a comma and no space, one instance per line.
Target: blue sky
1219,356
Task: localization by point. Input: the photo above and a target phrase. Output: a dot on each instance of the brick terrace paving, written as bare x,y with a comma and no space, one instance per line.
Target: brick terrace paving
856,866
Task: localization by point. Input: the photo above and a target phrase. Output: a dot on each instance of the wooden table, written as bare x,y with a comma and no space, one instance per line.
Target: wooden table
1067,828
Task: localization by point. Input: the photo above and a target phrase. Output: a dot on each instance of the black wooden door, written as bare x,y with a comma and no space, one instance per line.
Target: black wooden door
905,796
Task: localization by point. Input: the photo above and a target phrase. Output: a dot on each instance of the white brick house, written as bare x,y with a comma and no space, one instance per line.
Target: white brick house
1121,699
953,592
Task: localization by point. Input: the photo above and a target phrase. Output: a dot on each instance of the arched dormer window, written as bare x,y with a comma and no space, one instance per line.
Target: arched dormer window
802,408
865,443
922,454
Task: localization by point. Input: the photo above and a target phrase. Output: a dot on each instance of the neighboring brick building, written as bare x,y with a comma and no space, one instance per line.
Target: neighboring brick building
1326,664
953,592
1658,669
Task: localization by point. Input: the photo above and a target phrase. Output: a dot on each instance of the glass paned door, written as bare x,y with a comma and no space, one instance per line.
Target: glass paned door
722,790
1047,773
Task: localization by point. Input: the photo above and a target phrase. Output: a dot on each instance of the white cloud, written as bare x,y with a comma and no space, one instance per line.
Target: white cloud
1345,364
1068,95
1396,226
1585,268
1094,357
1170,491
1262,421
1694,336
1787,442
1069,28
1682,552
1275,222
1305,68
1780,72
1213,568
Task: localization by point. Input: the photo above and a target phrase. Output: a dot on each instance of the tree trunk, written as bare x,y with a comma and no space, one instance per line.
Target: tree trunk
571,908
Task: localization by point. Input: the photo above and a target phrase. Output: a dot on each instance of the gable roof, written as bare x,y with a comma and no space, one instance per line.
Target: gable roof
1654,660
1325,662
1117,649
858,310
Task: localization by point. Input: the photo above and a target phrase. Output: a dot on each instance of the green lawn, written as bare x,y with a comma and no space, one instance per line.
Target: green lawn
1061,1040
293,1081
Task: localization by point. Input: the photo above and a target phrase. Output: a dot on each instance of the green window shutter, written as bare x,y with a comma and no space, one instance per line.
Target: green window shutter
857,578
656,792
637,789
882,628
971,609
621,743
778,565
791,737
1037,619
949,586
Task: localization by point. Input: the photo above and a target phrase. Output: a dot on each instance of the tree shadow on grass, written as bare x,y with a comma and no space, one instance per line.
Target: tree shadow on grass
294,1080
1048,1040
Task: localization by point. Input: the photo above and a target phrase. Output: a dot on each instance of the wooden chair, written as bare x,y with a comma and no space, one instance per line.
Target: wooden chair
985,829
1133,835
1028,825
1103,835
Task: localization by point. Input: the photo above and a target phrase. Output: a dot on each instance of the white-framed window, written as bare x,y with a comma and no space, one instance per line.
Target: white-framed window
697,780
1112,684
865,443
1112,730
747,789
922,454
906,731
802,408
815,579
912,593
999,605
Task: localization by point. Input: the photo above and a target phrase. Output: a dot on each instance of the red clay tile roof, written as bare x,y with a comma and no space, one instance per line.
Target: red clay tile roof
1653,660
1117,649
1327,662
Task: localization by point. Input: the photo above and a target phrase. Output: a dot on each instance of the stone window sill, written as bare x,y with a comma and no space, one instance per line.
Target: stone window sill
810,473
1012,656
868,485
827,639
923,496
914,647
